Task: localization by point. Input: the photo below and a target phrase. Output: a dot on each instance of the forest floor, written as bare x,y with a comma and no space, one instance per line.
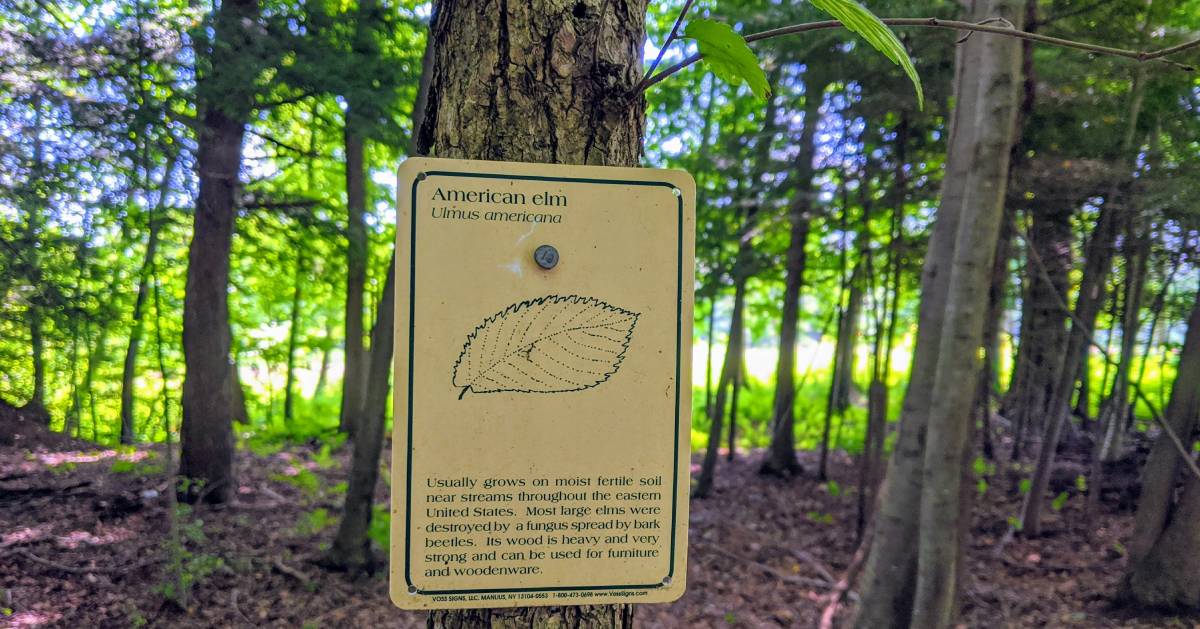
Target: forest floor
83,535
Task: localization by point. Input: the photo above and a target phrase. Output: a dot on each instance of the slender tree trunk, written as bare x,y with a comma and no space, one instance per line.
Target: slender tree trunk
737,384
323,372
781,456
1164,553
1043,325
871,465
293,336
353,385
206,444
1117,408
729,369
351,548
939,565
129,369
990,373
1098,255
708,350
913,570
32,263
538,82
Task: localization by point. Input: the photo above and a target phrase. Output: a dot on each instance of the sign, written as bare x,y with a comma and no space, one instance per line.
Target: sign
542,384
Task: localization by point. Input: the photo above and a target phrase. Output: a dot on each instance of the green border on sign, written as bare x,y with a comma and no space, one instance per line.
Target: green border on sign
412,298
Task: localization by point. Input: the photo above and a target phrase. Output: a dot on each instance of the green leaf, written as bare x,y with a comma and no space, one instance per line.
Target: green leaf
727,55
857,18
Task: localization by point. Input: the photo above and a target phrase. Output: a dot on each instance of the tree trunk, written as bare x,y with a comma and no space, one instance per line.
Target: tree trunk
129,369
781,456
326,351
912,572
1164,553
1043,321
990,373
997,79
537,82
33,225
353,385
207,444
351,548
1117,407
729,369
708,350
289,399
739,381
844,352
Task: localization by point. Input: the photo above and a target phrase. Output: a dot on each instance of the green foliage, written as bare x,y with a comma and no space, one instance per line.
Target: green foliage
727,55
315,521
381,525
860,20
1060,501
186,568
300,478
819,517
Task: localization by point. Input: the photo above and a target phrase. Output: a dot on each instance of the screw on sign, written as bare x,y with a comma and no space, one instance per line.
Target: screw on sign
546,257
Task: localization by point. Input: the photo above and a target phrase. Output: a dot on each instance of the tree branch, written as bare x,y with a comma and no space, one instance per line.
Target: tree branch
670,38
958,25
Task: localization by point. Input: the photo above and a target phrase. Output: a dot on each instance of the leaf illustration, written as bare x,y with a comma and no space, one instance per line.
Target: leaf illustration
552,344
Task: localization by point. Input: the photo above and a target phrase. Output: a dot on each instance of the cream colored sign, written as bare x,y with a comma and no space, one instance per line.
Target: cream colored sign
542,384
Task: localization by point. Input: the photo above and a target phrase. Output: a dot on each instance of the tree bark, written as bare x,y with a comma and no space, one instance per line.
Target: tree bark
225,98
916,541
538,82
1164,553
781,455
353,385
997,79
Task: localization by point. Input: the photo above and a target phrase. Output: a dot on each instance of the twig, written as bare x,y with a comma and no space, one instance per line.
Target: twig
799,555
843,585
778,574
957,25
670,39
290,571
82,569
316,622
233,602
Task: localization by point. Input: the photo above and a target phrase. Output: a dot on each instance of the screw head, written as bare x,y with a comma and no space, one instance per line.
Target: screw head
546,256
677,192
666,581
412,589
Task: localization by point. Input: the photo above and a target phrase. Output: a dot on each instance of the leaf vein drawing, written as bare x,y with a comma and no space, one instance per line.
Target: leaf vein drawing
572,342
